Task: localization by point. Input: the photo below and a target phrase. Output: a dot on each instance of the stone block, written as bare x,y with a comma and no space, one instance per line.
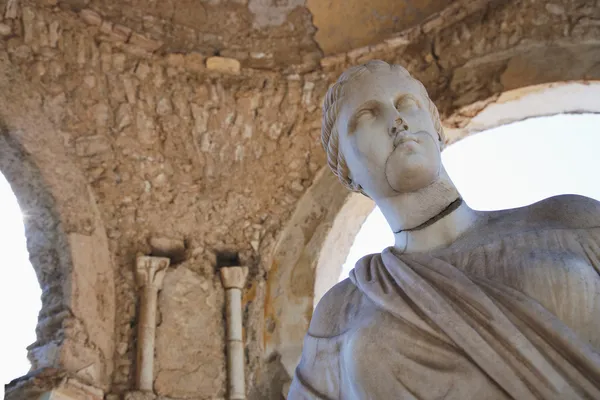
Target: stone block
224,65
555,9
163,246
433,23
193,315
121,32
144,43
356,53
11,9
175,60
5,29
139,396
333,61
90,17
51,384
194,62
91,145
397,41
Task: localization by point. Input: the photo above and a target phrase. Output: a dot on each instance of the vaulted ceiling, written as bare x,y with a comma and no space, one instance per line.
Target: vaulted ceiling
267,33
345,25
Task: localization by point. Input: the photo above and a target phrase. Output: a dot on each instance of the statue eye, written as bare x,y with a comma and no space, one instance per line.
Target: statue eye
406,102
366,114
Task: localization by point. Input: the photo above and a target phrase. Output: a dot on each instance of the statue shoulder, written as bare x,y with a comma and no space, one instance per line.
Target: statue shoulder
336,310
571,211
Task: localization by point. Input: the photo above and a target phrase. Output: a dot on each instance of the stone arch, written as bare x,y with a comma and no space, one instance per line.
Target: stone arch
66,241
474,73
311,249
328,216
574,97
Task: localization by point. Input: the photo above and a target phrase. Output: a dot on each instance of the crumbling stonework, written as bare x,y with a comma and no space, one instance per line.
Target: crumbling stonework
52,383
66,240
195,128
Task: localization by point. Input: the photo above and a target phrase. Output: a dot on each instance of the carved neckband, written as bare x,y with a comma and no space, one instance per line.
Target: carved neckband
453,206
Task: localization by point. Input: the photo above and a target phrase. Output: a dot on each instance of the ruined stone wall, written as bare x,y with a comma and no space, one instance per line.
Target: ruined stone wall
170,150
211,155
264,34
66,239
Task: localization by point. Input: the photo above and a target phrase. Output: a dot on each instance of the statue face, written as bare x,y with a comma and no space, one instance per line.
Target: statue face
387,134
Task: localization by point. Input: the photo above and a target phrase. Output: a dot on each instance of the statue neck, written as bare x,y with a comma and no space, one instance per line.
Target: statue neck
428,219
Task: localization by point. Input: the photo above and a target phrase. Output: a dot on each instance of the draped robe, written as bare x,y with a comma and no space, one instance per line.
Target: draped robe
509,311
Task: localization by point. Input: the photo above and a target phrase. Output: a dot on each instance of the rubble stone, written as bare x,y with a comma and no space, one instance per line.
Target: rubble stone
223,65
167,247
194,62
91,145
5,30
91,17
555,9
144,43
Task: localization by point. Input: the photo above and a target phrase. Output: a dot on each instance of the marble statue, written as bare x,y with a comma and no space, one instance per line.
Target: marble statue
466,304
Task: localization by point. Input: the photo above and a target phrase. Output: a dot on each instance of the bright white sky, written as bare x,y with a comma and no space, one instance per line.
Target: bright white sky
510,166
506,167
19,291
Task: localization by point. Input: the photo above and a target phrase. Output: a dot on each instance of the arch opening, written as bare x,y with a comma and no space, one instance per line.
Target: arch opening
20,293
68,250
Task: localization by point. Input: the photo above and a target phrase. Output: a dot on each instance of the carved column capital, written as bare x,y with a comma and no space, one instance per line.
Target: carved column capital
234,277
150,271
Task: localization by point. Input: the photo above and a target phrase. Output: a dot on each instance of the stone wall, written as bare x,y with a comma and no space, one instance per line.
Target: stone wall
172,150
66,238
262,34
206,158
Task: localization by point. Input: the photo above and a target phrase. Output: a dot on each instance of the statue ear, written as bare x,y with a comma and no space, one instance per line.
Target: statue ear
353,184
356,187
360,190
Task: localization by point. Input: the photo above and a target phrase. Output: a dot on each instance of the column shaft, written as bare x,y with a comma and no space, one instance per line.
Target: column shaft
146,338
235,345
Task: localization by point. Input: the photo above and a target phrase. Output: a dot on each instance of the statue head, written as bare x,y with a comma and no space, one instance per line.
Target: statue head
381,132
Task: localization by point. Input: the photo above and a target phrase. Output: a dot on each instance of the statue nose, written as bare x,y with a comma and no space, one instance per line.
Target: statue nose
399,125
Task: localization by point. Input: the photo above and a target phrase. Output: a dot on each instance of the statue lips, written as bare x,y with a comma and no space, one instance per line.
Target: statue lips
402,138
404,144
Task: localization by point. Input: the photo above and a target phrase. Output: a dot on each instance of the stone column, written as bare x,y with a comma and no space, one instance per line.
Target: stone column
233,280
150,272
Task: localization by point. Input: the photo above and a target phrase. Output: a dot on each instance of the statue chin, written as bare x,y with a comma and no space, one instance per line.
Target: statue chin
409,173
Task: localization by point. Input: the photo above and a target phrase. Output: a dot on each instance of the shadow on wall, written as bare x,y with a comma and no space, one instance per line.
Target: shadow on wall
317,237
